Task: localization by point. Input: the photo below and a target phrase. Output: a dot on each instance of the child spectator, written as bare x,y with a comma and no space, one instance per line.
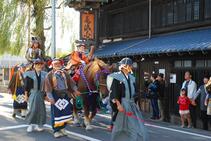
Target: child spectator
184,103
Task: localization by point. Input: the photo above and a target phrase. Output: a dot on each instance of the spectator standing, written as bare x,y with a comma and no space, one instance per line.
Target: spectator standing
202,92
191,88
153,94
161,98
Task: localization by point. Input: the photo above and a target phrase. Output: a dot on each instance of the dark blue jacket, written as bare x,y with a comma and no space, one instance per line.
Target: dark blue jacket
153,89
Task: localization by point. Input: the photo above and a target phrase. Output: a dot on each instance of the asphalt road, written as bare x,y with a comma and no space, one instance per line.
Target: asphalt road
15,129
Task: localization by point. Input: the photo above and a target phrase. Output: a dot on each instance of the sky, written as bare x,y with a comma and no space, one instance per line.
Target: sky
67,28
71,29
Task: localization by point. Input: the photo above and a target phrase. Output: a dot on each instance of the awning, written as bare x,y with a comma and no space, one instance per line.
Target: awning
197,40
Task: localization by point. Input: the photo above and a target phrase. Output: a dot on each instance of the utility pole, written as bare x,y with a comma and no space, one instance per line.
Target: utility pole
150,18
53,36
29,23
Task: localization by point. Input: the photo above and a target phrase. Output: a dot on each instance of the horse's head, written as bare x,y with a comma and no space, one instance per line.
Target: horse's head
97,74
101,75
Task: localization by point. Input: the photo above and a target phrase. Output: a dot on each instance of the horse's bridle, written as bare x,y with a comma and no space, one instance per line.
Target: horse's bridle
102,84
97,77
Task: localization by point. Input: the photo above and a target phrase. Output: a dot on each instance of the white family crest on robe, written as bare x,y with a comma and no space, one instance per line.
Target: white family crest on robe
20,99
61,104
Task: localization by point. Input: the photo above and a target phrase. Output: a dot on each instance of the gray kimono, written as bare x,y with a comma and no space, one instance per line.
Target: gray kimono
34,85
127,128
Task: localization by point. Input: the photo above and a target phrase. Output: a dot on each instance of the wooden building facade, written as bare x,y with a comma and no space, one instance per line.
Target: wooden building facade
130,18
171,21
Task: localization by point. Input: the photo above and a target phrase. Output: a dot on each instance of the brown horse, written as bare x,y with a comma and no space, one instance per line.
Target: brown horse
91,84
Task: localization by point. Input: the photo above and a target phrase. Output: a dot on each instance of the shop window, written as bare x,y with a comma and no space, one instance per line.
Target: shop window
178,64
163,15
170,14
207,9
200,63
178,11
188,10
196,9
187,63
208,63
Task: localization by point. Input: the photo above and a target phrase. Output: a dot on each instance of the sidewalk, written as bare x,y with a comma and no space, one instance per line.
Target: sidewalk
3,89
172,127
175,121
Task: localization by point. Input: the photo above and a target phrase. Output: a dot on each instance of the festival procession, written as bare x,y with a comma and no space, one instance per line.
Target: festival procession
105,70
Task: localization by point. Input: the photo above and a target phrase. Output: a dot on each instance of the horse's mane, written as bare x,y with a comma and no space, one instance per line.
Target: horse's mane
96,64
93,67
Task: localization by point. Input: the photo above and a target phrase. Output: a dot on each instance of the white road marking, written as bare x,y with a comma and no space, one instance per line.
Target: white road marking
48,126
13,127
99,127
77,135
180,131
165,128
104,116
6,112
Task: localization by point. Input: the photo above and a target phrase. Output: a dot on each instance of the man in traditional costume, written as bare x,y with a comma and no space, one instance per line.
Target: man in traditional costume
16,88
35,95
34,51
79,57
60,88
127,119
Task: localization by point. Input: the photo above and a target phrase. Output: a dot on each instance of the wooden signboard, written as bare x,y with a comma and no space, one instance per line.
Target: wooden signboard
87,26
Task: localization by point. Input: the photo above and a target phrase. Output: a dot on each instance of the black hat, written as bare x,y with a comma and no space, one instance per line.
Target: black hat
57,60
80,43
38,61
184,89
126,61
34,40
